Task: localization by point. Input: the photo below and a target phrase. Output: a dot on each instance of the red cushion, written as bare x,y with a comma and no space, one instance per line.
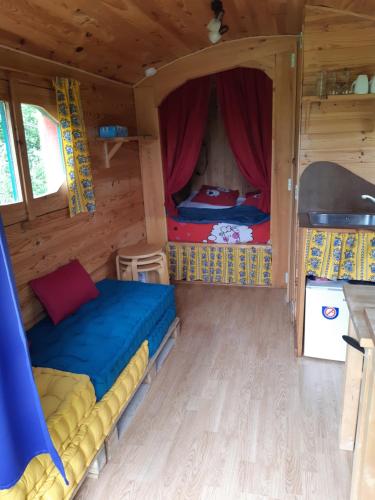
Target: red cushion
63,291
252,199
216,196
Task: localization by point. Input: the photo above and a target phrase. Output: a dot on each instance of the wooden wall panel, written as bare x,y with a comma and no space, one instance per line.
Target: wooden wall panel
256,52
341,131
151,165
40,246
283,154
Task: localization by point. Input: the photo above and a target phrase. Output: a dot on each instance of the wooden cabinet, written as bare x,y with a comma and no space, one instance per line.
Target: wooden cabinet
357,429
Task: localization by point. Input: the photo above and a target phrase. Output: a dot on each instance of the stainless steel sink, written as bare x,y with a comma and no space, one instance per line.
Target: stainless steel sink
318,219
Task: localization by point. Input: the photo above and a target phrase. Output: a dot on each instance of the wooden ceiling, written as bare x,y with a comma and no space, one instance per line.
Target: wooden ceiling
120,38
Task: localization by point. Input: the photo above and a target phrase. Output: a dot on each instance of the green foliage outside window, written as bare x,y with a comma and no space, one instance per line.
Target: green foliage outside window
30,115
42,136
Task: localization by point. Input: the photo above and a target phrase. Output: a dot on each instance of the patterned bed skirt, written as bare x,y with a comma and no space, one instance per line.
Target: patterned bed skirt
339,255
224,264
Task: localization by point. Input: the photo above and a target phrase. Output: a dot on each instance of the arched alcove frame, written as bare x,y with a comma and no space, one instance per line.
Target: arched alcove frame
274,55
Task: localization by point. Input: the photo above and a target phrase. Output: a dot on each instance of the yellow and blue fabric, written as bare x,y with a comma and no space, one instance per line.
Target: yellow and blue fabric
101,337
78,427
226,264
75,147
23,430
339,255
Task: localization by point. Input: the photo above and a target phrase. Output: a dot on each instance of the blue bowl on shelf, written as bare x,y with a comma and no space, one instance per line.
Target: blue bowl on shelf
111,131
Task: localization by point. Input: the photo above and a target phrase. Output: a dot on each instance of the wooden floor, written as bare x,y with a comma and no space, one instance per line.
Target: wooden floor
233,414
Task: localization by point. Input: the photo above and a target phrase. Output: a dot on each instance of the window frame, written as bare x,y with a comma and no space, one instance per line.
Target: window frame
40,93
9,145
16,212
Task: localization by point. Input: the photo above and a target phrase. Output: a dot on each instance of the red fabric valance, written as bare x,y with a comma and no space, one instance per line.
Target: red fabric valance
245,99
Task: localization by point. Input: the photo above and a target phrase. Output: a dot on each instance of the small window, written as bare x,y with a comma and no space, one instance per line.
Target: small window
10,191
44,151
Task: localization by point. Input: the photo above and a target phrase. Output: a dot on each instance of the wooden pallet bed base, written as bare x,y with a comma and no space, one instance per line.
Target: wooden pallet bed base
172,333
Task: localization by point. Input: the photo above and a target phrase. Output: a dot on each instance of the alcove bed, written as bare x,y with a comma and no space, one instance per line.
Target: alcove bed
265,253
216,139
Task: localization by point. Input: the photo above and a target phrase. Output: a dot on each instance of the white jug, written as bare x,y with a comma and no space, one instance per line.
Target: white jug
372,85
361,85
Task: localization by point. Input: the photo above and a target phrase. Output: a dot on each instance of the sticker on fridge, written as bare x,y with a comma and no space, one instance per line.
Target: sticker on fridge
330,312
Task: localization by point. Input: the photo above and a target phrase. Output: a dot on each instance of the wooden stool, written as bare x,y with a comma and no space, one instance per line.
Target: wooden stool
142,258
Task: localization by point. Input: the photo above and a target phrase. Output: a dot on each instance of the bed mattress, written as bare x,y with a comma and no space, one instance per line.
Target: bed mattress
77,426
220,233
102,336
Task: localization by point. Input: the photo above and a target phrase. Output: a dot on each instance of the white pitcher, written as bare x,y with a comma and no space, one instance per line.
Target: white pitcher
361,85
372,85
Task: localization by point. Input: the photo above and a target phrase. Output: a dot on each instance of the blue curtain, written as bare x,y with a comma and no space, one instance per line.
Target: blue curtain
23,430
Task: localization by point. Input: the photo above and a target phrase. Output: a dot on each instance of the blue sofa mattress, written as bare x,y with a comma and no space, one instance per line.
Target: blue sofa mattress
102,336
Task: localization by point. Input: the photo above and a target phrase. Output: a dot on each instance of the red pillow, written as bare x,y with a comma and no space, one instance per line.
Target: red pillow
63,291
216,196
252,199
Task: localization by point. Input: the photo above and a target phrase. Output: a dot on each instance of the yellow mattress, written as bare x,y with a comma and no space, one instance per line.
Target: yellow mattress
78,427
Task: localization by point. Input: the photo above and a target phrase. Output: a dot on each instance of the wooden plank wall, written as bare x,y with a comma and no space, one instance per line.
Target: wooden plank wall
340,132
40,246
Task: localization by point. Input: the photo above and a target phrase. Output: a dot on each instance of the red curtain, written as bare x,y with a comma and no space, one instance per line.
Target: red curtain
245,99
183,117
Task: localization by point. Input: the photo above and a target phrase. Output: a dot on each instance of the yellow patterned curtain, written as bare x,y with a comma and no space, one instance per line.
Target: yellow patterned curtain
250,265
336,255
75,147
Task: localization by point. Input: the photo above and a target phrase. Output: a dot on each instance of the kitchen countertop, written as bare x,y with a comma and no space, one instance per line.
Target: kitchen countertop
361,305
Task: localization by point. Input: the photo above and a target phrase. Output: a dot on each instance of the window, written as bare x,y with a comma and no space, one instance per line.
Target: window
10,191
32,167
44,152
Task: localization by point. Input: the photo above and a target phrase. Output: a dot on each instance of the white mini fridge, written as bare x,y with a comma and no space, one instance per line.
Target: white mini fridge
326,320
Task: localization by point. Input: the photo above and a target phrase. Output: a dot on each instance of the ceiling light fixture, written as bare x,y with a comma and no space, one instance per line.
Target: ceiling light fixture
150,71
215,27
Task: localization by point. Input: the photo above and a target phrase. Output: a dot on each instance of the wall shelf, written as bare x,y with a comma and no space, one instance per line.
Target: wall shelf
309,100
339,98
113,144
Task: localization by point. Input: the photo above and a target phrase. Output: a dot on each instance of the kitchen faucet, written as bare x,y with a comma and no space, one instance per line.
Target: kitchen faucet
368,197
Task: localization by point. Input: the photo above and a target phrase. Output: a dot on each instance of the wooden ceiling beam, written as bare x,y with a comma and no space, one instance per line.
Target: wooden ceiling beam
23,62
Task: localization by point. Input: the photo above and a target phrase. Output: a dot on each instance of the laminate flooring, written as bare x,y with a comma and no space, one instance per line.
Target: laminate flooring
233,414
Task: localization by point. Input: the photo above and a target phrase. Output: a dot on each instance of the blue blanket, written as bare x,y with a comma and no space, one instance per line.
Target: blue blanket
241,215
102,336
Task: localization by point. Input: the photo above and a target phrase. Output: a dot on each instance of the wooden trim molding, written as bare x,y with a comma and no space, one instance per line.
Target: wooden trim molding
17,60
254,52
